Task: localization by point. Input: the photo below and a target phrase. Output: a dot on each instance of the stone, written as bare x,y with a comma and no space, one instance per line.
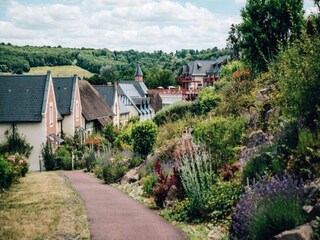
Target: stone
303,232
312,191
132,176
312,211
172,196
256,138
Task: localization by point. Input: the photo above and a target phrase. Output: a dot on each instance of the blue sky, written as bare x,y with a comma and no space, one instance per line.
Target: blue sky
143,25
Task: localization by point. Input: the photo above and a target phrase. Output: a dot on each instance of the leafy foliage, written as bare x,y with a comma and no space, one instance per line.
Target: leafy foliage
113,171
267,27
221,136
297,72
48,156
144,136
173,112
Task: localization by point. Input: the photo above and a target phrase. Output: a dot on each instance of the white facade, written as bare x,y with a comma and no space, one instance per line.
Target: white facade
35,135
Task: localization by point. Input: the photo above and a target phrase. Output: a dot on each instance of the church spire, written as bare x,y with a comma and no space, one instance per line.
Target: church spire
139,74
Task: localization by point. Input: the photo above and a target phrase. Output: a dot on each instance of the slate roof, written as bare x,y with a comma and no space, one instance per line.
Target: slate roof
138,85
64,89
22,97
93,105
107,93
205,67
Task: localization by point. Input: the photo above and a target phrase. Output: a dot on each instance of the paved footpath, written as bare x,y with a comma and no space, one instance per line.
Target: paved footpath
113,215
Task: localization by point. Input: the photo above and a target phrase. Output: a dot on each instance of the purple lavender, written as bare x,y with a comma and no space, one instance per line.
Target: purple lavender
266,189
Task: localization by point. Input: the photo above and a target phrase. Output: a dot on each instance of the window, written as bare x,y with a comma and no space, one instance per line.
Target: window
51,114
77,110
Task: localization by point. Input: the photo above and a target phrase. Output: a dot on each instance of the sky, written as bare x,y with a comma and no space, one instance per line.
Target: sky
143,25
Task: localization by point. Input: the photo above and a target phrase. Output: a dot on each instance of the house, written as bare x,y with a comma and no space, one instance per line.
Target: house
68,101
199,74
134,95
28,103
109,93
95,112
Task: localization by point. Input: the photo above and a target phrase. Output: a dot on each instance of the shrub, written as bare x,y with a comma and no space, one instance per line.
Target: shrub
197,177
63,156
275,216
110,133
221,136
258,205
173,112
6,173
148,184
208,99
113,171
135,161
305,161
267,161
223,197
144,136
179,212
48,156
90,160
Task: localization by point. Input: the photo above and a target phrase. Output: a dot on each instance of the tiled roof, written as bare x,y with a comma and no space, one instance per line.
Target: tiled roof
64,89
93,105
22,97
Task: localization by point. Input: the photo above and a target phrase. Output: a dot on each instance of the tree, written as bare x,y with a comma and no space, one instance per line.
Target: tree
144,136
233,41
108,74
268,26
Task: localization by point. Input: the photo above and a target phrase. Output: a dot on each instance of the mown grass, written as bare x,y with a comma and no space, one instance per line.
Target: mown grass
61,71
42,206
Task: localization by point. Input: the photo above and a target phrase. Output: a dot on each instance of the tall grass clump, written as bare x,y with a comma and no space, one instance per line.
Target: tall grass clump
269,207
197,177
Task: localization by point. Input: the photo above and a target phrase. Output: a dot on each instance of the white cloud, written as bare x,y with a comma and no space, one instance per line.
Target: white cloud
144,25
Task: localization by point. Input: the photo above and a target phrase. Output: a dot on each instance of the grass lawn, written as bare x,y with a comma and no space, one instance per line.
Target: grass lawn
42,206
61,71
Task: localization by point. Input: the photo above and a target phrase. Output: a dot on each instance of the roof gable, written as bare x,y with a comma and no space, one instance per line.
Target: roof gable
23,97
93,105
64,89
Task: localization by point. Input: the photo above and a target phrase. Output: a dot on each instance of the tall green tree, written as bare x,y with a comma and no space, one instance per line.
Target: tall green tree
268,26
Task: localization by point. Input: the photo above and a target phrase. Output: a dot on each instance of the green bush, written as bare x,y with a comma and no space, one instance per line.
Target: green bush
48,156
223,197
113,171
221,136
297,72
208,99
64,157
179,212
148,184
275,216
90,160
173,112
267,161
134,161
6,173
144,136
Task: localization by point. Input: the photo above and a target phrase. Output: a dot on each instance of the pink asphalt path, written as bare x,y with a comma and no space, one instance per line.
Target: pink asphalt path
113,215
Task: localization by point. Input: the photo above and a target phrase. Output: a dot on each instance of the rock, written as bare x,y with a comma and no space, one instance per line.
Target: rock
312,211
132,176
256,138
312,191
217,233
172,196
303,232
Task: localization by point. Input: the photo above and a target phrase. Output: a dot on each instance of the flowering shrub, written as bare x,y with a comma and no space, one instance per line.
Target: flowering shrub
11,168
264,209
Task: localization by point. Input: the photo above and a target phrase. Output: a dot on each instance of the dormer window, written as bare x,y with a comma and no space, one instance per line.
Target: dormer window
199,65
